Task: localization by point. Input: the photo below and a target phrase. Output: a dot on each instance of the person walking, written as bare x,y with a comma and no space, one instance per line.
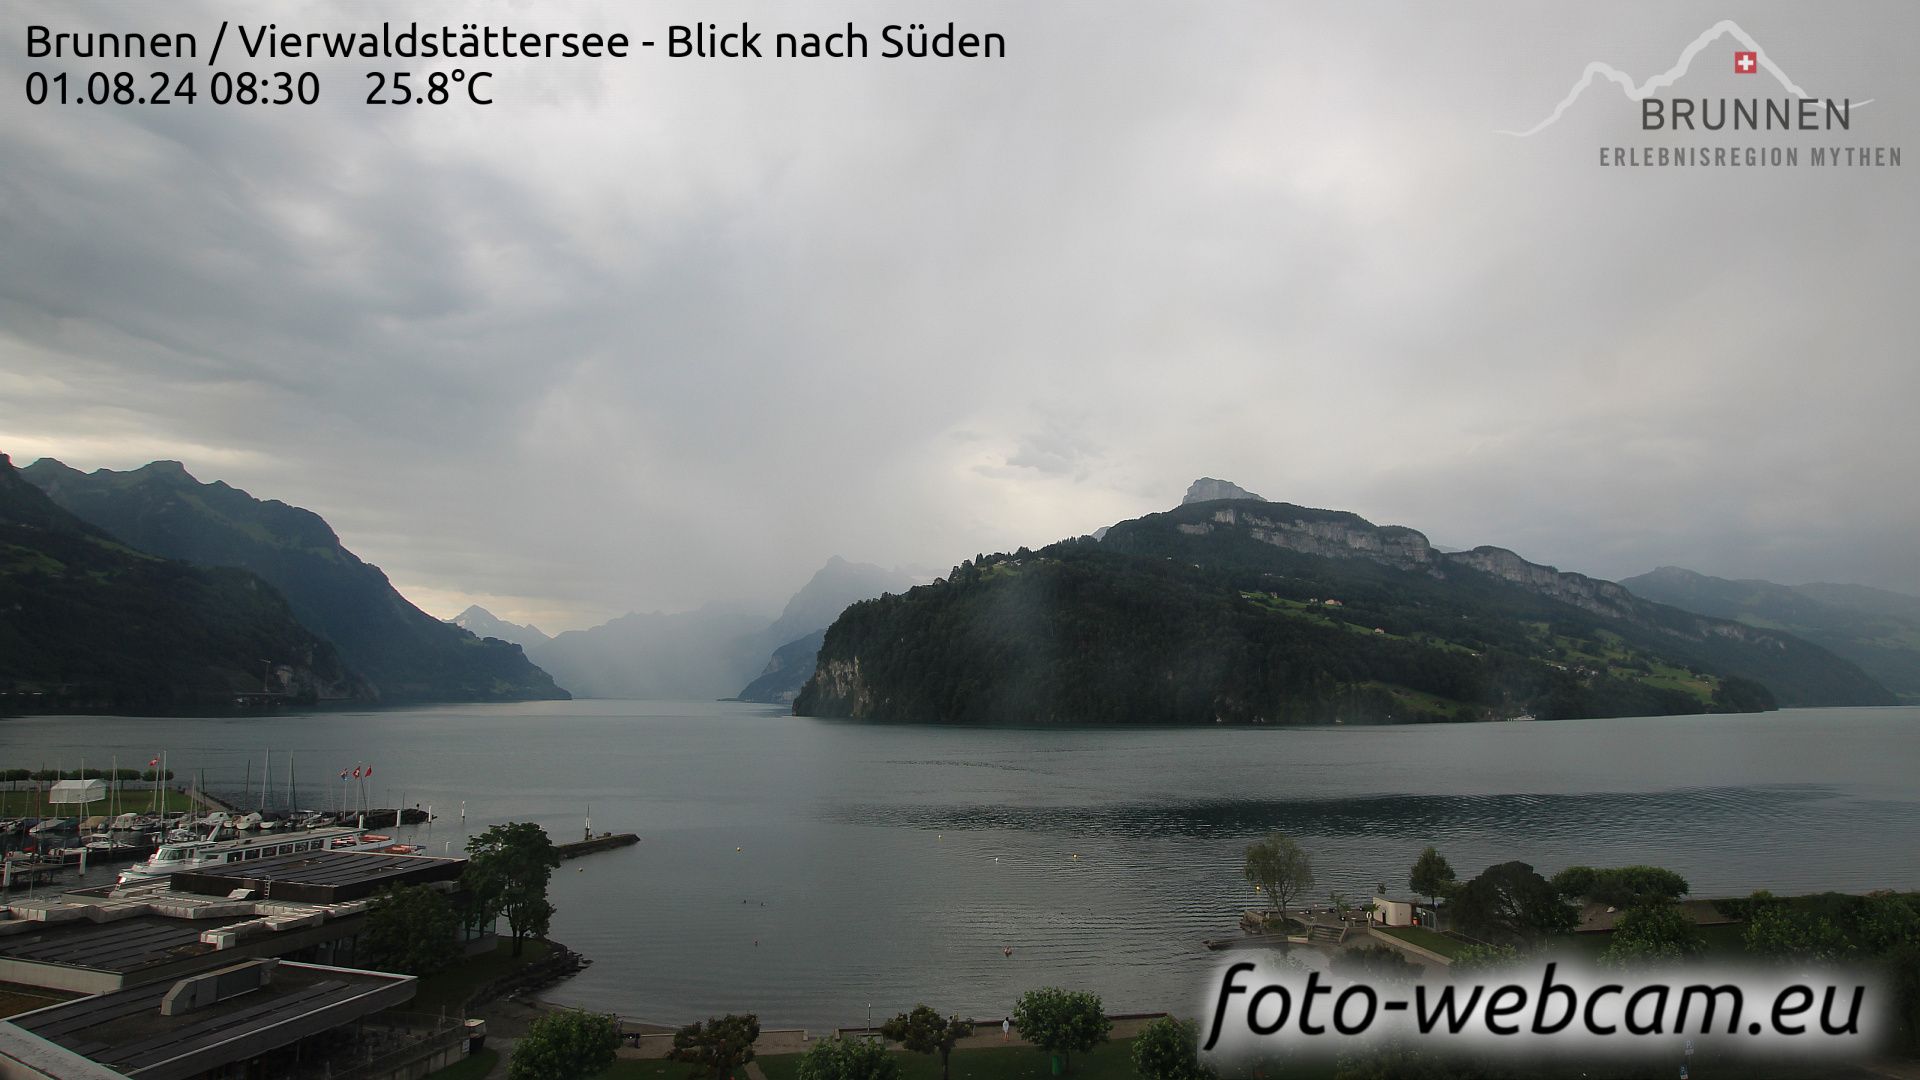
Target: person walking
1006,1028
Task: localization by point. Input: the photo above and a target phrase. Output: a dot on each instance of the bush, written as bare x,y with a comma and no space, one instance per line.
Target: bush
565,1046
842,1058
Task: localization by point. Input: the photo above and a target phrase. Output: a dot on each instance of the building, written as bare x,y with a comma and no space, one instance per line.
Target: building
230,971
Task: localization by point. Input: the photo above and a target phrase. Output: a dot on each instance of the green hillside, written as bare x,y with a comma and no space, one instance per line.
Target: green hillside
1876,629
89,624
1250,612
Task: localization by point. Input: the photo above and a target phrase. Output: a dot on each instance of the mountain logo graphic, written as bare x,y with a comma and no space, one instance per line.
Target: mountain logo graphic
1749,59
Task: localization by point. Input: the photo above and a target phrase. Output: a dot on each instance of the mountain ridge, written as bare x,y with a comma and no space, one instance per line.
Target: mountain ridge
1284,613
406,654
88,623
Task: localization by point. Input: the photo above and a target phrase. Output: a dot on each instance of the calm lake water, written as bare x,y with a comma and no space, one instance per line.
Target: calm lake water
893,865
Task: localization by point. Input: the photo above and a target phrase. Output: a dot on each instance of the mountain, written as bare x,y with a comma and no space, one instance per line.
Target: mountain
406,654
701,654
1207,489
1247,611
795,635
480,622
88,624
786,672
1876,629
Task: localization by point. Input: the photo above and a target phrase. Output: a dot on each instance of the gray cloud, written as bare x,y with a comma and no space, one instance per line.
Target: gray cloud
648,335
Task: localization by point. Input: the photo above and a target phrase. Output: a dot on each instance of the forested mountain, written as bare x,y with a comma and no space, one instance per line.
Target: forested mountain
87,623
787,671
1876,629
406,654
1243,611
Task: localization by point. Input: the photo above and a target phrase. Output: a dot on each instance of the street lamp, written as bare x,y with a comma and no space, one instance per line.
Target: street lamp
869,1020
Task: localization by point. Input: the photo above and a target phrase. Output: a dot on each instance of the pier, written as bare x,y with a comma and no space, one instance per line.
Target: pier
592,844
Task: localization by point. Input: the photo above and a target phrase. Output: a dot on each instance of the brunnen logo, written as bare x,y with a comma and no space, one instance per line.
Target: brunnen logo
1684,123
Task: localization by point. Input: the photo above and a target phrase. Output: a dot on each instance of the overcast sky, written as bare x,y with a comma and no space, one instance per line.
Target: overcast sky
649,334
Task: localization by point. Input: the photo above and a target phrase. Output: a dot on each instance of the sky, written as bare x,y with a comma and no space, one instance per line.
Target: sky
655,333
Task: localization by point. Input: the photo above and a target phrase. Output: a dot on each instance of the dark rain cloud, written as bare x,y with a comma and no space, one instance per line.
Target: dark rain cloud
647,335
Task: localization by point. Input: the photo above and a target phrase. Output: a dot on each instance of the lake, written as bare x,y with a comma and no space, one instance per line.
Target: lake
806,868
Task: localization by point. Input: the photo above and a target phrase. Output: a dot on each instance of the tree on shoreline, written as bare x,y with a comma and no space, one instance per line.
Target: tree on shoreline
841,1058
925,1031
1169,1049
1062,1021
717,1046
413,930
1278,866
569,1045
508,868
1432,876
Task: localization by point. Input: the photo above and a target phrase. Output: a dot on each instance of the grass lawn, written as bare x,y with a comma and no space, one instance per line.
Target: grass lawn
451,988
1426,939
472,1067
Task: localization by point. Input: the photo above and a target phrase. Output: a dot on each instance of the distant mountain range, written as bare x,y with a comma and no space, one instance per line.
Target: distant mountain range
1246,611
706,653
1874,628
404,654
90,624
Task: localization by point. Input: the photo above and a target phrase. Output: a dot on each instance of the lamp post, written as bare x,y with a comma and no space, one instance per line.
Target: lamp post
869,1020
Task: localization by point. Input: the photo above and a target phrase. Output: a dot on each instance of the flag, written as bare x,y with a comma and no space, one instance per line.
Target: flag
343,774
154,761
369,770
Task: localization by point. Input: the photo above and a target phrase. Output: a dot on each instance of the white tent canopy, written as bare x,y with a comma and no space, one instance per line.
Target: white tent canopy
77,791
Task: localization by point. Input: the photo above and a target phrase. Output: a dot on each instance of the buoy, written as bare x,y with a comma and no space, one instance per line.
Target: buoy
736,849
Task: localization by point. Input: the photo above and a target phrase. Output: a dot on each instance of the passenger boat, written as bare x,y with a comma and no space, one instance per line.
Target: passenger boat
200,854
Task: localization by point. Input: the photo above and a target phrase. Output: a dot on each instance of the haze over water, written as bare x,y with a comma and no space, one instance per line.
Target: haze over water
894,865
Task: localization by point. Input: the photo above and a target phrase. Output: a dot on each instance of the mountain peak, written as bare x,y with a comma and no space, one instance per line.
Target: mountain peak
1208,489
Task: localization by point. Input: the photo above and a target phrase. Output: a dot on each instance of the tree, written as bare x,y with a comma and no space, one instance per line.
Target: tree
925,1031
1779,932
1432,876
717,1046
1169,1049
566,1045
1652,933
1279,867
841,1058
413,930
1511,903
1483,958
1621,886
1062,1021
508,868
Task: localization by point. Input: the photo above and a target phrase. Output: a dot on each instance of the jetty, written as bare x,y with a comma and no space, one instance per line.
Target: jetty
604,842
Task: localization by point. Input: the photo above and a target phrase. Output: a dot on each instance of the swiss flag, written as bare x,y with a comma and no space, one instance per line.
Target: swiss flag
1746,63
356,772
154,761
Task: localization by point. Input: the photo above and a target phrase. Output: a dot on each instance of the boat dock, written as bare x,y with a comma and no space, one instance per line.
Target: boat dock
603,842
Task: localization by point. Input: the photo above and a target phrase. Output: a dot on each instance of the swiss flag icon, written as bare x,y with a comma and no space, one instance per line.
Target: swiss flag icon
1746,63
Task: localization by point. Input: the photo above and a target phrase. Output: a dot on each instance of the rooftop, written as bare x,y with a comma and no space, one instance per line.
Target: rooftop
124,945
279,1004
320,877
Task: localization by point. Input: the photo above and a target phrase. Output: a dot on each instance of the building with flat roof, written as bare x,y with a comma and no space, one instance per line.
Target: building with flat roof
258,1017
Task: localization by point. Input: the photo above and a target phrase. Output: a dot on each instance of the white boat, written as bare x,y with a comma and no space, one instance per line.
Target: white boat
54,824
248,822
204,854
